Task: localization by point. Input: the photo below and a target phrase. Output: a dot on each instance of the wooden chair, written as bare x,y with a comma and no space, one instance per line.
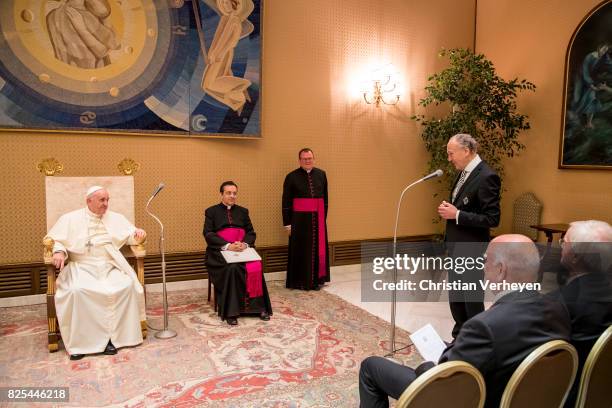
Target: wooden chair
544,378
211,291
594,391
450,384
64,194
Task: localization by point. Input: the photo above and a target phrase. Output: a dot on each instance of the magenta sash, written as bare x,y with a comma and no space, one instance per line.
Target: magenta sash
254,271
316,205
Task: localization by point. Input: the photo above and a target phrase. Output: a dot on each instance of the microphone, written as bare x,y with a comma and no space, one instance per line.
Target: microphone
162,185
436,173
166,333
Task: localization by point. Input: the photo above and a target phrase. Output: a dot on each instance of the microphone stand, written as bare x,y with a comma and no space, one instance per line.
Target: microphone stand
394,294
166,333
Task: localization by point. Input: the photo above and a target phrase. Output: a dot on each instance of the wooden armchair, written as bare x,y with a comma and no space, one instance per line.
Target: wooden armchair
64,194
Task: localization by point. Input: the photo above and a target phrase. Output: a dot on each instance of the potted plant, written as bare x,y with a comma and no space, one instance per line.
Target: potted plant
477,101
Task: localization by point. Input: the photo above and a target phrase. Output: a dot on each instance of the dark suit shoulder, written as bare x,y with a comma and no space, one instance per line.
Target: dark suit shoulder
486,170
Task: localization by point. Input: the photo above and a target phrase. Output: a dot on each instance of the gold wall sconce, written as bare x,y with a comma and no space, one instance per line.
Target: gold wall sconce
382,86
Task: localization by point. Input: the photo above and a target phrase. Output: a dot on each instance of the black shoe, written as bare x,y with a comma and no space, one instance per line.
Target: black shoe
317,288
264,316
110,350
76,356
232,321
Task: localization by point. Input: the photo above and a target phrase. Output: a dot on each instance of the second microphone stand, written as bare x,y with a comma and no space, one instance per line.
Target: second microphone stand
437,173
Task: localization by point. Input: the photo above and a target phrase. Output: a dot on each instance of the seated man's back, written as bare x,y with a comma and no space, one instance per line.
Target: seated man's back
497,340
587,255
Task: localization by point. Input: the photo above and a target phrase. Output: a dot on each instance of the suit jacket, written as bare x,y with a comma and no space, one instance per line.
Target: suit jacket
478,203
588,299
497,340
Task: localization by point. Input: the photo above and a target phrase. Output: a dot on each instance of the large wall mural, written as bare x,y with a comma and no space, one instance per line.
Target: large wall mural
586,135
170,67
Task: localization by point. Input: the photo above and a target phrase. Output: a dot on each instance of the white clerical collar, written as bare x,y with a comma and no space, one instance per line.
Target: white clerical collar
307,171
228,207
92,214
472,164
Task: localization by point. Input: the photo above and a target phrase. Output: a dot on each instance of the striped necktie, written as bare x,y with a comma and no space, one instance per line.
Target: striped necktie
459,184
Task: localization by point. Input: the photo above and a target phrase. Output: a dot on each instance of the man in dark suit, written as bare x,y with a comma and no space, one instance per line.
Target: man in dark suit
473,209
495,341
587,255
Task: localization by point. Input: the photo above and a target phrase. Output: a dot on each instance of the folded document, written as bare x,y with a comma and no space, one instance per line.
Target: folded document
248,255
428,343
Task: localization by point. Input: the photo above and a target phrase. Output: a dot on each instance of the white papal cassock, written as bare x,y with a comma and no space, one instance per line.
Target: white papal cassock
98,296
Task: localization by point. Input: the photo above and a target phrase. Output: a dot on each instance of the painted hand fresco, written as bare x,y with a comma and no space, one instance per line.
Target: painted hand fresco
586,139
150,67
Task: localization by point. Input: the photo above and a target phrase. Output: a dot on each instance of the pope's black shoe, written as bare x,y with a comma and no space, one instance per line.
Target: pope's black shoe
232,321
110,350
264,316
76,356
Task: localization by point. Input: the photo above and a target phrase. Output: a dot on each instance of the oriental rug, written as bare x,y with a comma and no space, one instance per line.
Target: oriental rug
307,355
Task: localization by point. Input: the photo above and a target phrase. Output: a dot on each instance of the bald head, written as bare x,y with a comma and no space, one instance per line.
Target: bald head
512,258
587,247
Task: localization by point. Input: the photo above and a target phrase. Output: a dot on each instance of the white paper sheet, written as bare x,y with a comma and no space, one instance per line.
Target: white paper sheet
247,255
428,343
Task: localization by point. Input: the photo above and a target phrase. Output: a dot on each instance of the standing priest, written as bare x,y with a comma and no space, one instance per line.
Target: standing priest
239,287
304,218
99,300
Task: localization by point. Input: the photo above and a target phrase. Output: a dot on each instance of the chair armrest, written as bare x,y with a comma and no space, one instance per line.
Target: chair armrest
48,244
139,252
139,249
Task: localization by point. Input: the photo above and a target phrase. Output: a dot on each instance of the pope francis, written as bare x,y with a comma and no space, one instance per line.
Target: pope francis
99,300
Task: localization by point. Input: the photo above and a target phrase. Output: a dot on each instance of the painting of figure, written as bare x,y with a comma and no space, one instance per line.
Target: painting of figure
586,140
218,80
144,67
80,33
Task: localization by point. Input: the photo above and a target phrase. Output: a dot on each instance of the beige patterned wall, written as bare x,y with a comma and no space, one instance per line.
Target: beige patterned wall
312,52
529,39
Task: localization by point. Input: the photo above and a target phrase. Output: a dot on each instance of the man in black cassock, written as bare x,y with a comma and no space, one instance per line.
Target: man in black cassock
239,287
304,218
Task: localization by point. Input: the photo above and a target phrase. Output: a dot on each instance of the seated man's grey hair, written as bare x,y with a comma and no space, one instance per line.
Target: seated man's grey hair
591,242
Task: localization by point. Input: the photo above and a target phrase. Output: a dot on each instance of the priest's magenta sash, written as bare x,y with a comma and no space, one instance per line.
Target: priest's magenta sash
316,205
254,270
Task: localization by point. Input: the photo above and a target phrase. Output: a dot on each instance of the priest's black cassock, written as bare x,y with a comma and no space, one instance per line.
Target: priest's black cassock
305,209
230,280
